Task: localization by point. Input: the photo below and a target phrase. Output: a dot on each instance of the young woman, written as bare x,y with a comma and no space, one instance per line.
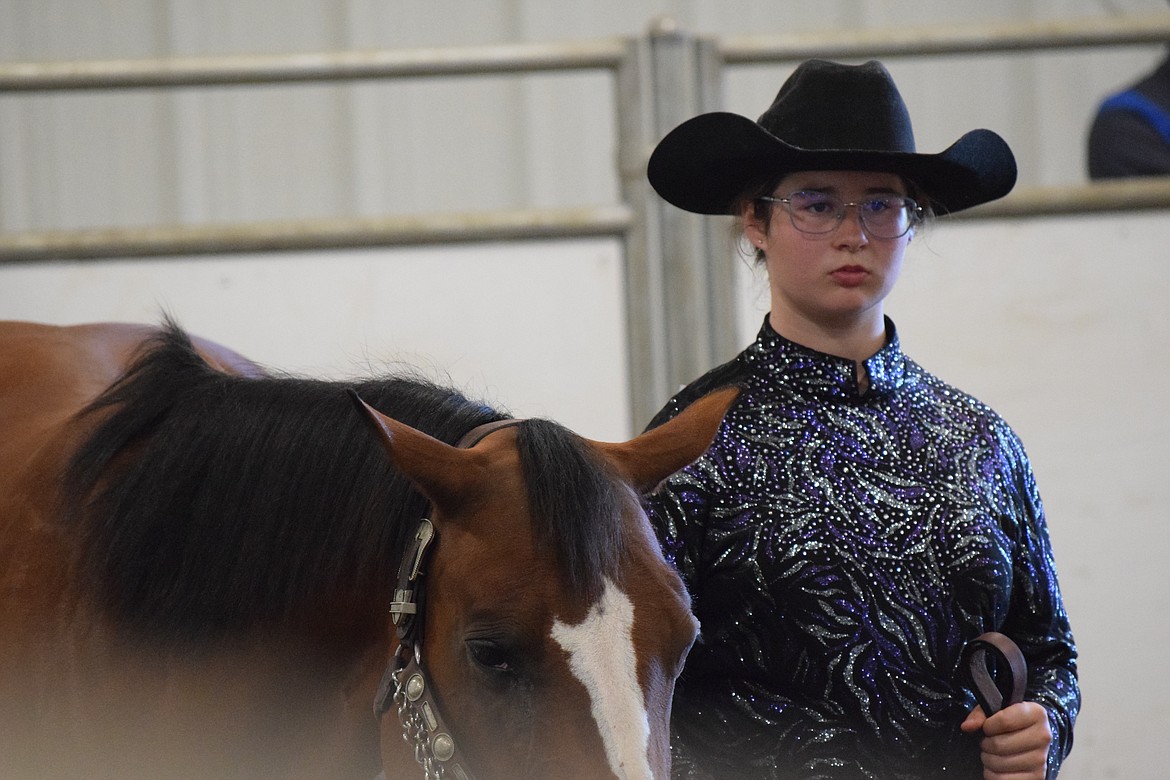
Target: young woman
856,521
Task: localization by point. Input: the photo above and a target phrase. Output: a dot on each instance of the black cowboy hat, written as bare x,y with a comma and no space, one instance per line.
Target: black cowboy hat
827,116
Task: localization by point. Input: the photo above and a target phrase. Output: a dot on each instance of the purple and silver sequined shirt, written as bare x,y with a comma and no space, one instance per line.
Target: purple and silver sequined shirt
840,549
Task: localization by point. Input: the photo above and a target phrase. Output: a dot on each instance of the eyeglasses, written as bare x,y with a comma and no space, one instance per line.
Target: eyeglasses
816,213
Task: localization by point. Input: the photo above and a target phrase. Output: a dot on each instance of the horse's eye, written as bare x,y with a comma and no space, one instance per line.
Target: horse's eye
490,655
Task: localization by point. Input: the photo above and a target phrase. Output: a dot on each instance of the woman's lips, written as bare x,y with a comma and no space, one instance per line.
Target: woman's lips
849,275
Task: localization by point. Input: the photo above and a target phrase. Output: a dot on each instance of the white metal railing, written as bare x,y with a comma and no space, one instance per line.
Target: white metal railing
1091,198
323,233
514,225
315,66
597,54
941,40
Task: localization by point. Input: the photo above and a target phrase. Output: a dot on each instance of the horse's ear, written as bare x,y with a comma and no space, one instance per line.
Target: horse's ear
435,467
652,457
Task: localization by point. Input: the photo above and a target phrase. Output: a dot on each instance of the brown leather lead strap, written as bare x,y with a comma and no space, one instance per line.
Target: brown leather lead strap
996,671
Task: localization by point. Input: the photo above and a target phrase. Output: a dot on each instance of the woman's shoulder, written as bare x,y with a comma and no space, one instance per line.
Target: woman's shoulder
732,373
960,403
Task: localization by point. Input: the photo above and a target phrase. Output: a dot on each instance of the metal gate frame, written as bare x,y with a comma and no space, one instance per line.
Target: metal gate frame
680,308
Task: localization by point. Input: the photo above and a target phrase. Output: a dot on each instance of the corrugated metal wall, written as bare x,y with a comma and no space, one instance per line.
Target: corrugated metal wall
75,160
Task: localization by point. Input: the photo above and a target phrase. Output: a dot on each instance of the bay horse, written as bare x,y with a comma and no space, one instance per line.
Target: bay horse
199,559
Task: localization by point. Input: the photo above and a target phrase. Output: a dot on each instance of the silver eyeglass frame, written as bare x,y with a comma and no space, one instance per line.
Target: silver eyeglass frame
915,213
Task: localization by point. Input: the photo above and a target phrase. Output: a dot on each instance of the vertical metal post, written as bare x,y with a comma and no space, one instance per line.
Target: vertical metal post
645,304
677,95
679,279
722,300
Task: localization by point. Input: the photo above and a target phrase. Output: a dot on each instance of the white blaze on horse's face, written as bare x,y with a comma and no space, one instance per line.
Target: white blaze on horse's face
602,656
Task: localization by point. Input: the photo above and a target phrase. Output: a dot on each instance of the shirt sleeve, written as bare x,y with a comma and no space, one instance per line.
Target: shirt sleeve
678,513
1121,145
1037,620
679,509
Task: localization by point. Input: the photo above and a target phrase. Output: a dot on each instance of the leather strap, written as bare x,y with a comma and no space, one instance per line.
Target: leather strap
476,434
996,671
407,607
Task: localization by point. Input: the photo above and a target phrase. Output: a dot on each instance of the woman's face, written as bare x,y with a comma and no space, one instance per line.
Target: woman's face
834,281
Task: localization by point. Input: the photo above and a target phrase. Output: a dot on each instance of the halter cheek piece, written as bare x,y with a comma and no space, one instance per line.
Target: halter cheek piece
405,684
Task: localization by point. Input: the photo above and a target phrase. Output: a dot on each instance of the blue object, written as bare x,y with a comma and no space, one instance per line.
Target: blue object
1135,102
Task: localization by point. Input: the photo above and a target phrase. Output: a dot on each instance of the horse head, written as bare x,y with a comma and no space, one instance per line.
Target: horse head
553,629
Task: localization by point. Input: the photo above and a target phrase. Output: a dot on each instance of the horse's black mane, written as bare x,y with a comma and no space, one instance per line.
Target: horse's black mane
217,503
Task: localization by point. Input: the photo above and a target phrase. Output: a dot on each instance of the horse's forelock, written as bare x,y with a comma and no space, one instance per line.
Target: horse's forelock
575,502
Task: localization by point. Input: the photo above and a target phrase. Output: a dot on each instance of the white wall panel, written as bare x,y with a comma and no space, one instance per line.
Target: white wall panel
1061,325
536,328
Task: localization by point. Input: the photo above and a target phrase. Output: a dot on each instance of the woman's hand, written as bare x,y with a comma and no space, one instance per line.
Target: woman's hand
1015,741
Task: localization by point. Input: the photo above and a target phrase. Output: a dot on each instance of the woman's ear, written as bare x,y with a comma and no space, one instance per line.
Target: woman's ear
754,229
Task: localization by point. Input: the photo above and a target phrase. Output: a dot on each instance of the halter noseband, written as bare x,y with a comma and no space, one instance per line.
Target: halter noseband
405,683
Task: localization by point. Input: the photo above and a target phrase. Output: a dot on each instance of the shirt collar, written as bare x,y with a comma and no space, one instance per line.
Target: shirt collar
808,371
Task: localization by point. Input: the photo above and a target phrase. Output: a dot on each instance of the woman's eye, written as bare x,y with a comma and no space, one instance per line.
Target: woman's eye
489,655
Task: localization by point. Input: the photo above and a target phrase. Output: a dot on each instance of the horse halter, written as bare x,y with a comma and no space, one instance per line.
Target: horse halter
405,684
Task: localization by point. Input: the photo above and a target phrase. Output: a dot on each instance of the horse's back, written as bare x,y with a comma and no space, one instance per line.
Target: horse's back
47,374
47,371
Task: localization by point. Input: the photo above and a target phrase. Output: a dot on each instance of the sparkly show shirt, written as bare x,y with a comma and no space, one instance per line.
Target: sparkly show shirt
840,549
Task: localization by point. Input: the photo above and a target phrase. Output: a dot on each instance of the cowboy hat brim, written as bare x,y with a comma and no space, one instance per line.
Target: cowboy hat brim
705,164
